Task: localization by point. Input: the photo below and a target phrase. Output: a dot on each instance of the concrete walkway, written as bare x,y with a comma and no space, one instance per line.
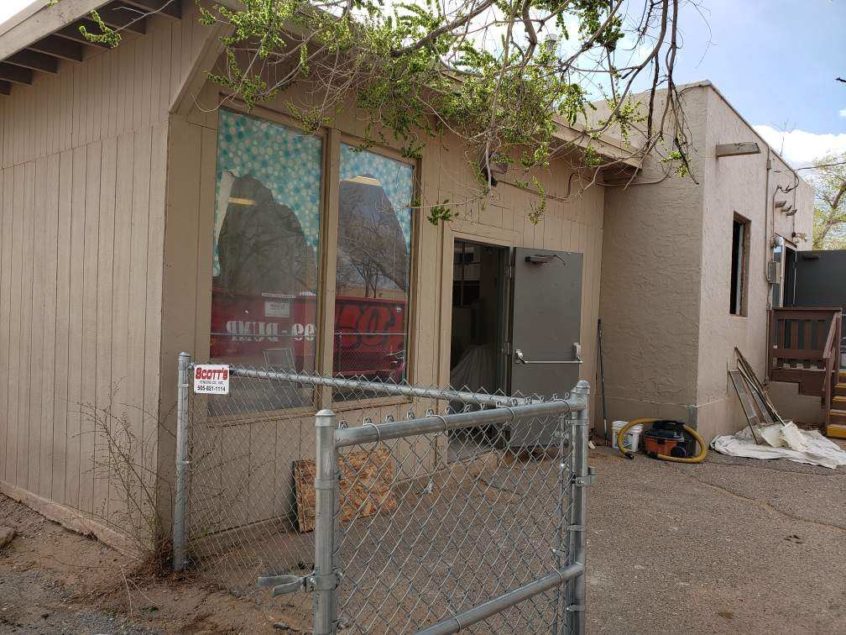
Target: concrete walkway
730,545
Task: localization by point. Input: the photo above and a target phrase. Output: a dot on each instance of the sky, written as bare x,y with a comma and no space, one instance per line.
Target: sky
775,60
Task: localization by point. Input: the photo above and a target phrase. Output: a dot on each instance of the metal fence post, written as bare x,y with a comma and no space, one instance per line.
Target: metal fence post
562,513
580,479
326,489
180,502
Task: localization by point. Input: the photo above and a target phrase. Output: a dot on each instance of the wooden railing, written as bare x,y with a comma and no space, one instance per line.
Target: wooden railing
805,349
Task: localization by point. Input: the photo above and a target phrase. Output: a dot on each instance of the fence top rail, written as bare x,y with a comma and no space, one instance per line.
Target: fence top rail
371,432
384,388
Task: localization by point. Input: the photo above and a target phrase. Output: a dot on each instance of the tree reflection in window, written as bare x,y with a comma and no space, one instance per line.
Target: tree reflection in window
374,249
261,247
264,286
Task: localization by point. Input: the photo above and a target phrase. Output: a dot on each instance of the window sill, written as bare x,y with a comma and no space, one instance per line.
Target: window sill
256,418
369,402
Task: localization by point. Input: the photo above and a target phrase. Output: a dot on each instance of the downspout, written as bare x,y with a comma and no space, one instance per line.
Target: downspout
766,265
767,226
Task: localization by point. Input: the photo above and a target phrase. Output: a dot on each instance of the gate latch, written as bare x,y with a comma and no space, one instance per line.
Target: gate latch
588,480
289,583
284,584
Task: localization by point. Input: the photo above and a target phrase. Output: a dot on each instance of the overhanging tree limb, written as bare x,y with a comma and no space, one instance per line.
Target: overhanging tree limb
501,75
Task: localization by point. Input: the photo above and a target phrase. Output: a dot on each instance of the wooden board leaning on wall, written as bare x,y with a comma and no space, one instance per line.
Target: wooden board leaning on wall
366,479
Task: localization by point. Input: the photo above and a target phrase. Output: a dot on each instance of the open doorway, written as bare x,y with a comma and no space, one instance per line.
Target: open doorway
789,276
478,316
479,325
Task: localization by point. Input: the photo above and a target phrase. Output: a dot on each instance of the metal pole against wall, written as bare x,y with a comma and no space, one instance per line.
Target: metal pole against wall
180,504
326,487
581,478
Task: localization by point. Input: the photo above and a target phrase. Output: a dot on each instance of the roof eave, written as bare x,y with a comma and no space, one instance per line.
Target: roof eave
608,148
40,20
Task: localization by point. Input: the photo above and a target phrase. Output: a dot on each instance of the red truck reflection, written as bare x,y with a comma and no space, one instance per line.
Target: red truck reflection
279,331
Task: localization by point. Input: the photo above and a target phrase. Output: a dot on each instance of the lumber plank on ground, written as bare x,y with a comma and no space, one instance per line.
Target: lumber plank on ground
365,482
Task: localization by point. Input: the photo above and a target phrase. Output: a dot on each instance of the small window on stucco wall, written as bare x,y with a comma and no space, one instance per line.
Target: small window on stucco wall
739,265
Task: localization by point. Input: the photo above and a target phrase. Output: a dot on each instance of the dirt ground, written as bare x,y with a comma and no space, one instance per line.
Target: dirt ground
56,581
732,545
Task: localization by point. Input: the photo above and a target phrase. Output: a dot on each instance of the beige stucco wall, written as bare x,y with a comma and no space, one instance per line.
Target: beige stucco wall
649,303
742,185
669,337
82,195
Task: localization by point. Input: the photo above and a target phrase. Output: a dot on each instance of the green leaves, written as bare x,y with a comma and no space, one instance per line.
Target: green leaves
829,179
501,75
440,213
107,35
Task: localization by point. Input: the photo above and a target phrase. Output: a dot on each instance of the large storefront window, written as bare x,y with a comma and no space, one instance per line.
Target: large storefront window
374,262
266,229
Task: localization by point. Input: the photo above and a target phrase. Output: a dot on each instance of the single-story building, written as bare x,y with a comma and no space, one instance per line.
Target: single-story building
145,212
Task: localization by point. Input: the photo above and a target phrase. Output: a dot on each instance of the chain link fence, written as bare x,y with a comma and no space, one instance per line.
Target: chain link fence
402,508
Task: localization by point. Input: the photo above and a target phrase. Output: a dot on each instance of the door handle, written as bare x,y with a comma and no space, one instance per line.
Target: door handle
577,354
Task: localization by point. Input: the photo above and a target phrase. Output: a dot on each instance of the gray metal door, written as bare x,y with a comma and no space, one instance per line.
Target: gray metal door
545,325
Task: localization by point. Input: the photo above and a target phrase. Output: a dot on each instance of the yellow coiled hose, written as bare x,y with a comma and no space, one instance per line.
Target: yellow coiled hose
703,447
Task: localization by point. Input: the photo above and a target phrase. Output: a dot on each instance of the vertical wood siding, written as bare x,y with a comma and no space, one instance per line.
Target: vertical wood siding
82,196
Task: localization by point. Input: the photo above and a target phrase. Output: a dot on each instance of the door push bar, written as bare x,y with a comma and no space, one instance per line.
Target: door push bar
577,354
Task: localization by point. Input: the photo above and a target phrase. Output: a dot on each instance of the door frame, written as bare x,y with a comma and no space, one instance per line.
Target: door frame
504,307
788,278
460,230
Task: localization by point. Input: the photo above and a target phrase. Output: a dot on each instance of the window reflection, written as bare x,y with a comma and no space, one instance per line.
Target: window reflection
267,215
374,249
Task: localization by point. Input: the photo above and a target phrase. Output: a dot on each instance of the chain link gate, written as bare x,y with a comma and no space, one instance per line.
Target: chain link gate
431,523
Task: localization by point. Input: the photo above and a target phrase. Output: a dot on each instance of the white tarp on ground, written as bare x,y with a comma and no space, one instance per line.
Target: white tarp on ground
476,370
794,444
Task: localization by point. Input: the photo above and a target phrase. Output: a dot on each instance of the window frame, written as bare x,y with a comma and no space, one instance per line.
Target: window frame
413,269
262,113
739,271
327,251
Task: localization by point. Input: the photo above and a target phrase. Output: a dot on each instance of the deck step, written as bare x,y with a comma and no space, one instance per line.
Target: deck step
836,430
840,390
842,376
838,402
836,424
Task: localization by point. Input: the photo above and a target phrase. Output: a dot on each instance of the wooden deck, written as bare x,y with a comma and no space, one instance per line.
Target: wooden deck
805,349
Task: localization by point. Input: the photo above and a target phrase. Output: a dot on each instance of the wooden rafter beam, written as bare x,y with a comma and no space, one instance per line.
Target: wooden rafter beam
35,61
15,74
121,18
59,47
42,20
736,149
167,8
5,88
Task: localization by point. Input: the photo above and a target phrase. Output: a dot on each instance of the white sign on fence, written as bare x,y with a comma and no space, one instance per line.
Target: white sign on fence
211,379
